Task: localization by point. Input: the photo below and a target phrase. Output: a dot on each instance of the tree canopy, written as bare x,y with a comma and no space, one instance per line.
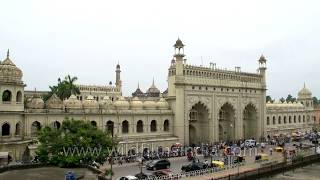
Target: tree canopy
64,88
269,99
290,98
76,142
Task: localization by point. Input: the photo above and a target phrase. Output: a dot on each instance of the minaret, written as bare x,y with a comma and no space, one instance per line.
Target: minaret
179,54
118,80
263,68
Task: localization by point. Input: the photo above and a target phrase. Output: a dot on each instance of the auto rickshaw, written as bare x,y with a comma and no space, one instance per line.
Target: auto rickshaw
239,159
218,164
262,157
278,149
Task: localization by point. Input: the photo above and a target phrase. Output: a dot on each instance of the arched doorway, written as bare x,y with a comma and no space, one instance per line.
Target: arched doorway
250,121
199,124
227,122
6,129
56,125
35,127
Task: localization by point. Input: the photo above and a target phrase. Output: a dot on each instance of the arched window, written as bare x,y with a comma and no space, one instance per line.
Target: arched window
5,129
299,119
139,126
273,120
268,121
125,127
279,120
289,119
18,129
153,126
294,119
35,127
56,125
19,97
6,96
93,123
166,125
285,120
304,118
109,127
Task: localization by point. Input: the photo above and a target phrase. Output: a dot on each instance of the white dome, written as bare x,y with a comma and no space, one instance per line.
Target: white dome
36,103
106,103
90,103
162,104
73,103
304,93
136,103
121,103
149,104
54,102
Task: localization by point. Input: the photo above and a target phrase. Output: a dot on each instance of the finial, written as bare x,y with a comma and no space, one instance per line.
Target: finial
8,53
304,85
138,86
153,81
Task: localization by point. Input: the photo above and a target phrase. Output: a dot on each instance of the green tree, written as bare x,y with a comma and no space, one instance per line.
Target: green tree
76,142
64,88
315,101
290,98
282,100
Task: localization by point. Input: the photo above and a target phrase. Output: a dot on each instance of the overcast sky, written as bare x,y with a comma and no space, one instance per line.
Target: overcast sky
50,39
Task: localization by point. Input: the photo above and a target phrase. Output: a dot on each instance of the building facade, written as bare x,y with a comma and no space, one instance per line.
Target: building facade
200,105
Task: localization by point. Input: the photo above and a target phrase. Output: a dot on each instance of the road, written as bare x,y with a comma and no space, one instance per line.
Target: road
178,162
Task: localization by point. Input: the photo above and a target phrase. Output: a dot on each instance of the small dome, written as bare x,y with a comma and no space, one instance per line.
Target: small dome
136,103
138,92
54,102
73,102
121,103
106,103
9,72
36,103
153,91
162,104
304,93
90,103
178,44
149,104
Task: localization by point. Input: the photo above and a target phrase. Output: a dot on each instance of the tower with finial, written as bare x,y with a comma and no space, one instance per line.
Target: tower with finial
262,68
179,54
118,79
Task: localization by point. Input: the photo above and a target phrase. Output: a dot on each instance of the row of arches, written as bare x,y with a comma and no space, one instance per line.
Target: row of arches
36,126
7,96
287,119
139,126
6,129
200,127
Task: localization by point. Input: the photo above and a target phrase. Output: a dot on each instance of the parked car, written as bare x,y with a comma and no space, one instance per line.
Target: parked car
158,164
194,166
128,178
163,172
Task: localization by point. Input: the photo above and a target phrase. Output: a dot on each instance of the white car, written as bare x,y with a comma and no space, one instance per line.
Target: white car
128,178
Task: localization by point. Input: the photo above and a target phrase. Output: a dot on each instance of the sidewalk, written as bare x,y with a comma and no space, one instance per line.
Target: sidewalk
233,171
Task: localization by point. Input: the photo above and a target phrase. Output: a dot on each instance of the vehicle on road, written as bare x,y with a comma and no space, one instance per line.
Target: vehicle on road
158,164
278,149
218,164
194,166
262,157
128,178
